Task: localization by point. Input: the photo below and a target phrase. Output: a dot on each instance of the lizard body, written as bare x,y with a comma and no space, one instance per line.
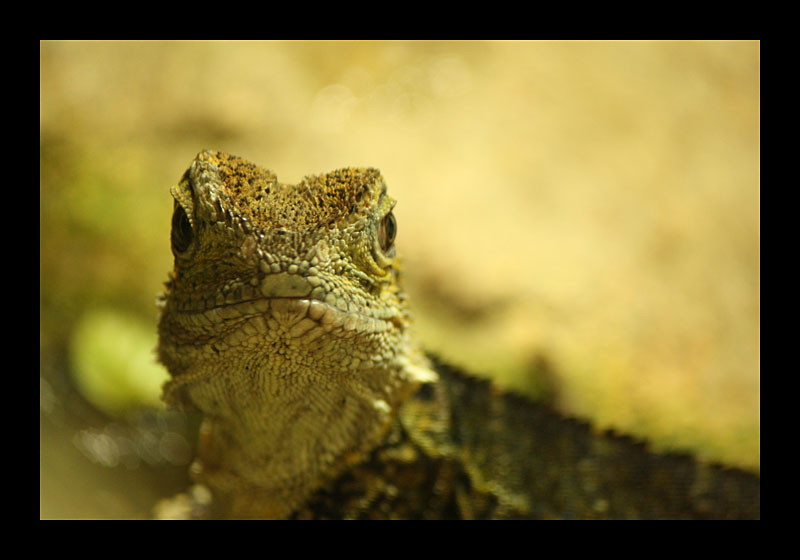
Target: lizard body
285,324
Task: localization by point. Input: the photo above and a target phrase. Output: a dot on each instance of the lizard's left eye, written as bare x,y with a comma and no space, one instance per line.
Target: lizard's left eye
386,233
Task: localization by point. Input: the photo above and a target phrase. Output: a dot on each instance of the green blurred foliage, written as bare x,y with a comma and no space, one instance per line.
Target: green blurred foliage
112,362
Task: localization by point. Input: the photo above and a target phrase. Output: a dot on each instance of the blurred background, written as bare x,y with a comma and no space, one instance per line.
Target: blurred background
578,220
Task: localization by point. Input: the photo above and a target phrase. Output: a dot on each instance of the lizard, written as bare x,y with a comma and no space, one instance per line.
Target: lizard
285,323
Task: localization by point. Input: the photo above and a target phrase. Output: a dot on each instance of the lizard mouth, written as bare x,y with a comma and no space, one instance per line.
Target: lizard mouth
300,315
301,304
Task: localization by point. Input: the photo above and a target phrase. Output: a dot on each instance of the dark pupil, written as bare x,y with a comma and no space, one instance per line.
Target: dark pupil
181,230
388,231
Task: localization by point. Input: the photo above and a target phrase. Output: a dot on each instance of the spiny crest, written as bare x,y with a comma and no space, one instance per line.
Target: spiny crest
254,194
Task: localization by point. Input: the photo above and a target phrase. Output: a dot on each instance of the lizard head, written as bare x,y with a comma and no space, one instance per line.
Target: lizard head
238,234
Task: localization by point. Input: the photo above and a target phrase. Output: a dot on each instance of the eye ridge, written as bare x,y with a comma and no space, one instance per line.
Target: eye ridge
182,234
387,232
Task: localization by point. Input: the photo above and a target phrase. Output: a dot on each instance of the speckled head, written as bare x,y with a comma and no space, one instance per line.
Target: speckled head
255,196
236,220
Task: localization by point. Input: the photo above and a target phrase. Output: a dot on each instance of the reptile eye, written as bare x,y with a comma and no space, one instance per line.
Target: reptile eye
182,233
386,233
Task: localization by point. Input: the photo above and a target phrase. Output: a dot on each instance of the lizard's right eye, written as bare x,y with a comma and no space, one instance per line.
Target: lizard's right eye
182,233
386,234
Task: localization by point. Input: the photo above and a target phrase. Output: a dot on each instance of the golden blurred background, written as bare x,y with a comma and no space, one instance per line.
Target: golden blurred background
579,220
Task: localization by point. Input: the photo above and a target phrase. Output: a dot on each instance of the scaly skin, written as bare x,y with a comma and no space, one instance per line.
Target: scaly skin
285,325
